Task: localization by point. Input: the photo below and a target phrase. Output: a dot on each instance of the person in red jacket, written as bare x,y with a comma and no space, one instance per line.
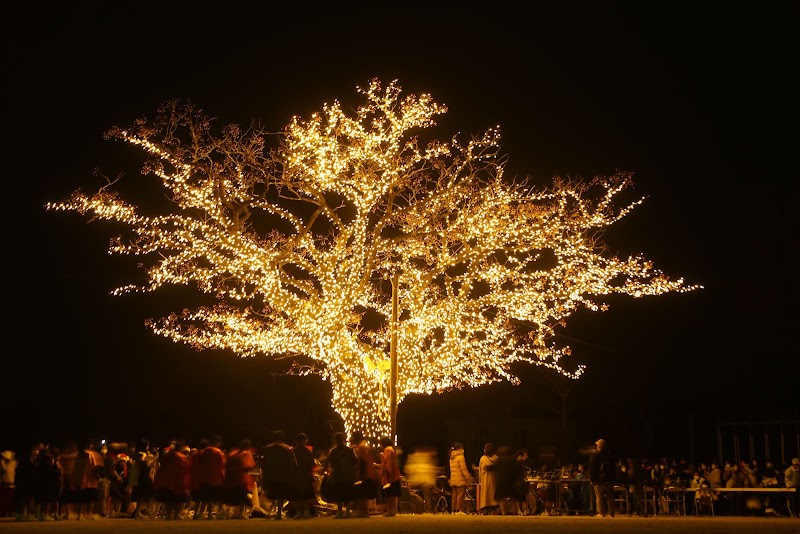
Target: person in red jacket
170,481
390,476
208,476
366,486
86,477
239,484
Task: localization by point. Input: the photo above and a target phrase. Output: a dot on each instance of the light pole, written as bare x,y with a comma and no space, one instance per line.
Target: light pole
395,278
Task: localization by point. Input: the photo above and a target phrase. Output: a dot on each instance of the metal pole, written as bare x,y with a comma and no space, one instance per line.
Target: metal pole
691,437
393,357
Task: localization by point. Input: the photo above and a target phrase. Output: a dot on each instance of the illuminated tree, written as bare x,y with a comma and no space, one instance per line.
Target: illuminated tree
292,235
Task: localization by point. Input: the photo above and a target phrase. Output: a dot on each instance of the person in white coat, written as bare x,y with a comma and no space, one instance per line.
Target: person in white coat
487,477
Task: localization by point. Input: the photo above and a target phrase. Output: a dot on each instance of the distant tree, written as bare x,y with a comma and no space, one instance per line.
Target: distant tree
293,234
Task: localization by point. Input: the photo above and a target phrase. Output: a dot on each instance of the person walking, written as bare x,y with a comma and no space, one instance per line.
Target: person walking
421,469
601,475
508,471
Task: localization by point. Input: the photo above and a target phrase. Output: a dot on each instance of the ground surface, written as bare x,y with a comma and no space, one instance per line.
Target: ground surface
427,524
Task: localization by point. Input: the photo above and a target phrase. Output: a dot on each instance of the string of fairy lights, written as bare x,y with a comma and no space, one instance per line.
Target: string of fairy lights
490,267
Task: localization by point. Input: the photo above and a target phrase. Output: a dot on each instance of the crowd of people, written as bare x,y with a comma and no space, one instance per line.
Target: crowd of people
351,479
506,485
90,480
705,480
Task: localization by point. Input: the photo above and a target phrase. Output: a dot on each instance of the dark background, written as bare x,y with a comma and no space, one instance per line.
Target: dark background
697,100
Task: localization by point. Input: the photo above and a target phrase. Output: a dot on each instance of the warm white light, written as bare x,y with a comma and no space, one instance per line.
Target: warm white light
293,240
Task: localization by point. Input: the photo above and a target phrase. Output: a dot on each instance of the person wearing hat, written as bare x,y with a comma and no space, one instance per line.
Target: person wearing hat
602,470
791,478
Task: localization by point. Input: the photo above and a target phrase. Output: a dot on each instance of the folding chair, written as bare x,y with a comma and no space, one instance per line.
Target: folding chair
675,500
649,501
404,502
704,502
622,499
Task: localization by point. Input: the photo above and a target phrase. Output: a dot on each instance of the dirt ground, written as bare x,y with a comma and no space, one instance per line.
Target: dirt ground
426,524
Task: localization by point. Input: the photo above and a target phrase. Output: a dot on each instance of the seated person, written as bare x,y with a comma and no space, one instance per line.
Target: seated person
704,497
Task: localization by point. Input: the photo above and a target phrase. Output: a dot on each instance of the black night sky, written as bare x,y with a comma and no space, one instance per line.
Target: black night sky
696,100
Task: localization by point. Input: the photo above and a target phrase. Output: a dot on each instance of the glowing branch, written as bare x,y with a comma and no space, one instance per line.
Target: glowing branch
291,240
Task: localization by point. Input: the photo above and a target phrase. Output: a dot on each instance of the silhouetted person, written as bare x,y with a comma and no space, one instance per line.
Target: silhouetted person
601,474
340,468
278,471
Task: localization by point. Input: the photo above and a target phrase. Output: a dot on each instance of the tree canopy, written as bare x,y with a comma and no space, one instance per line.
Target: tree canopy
293,235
